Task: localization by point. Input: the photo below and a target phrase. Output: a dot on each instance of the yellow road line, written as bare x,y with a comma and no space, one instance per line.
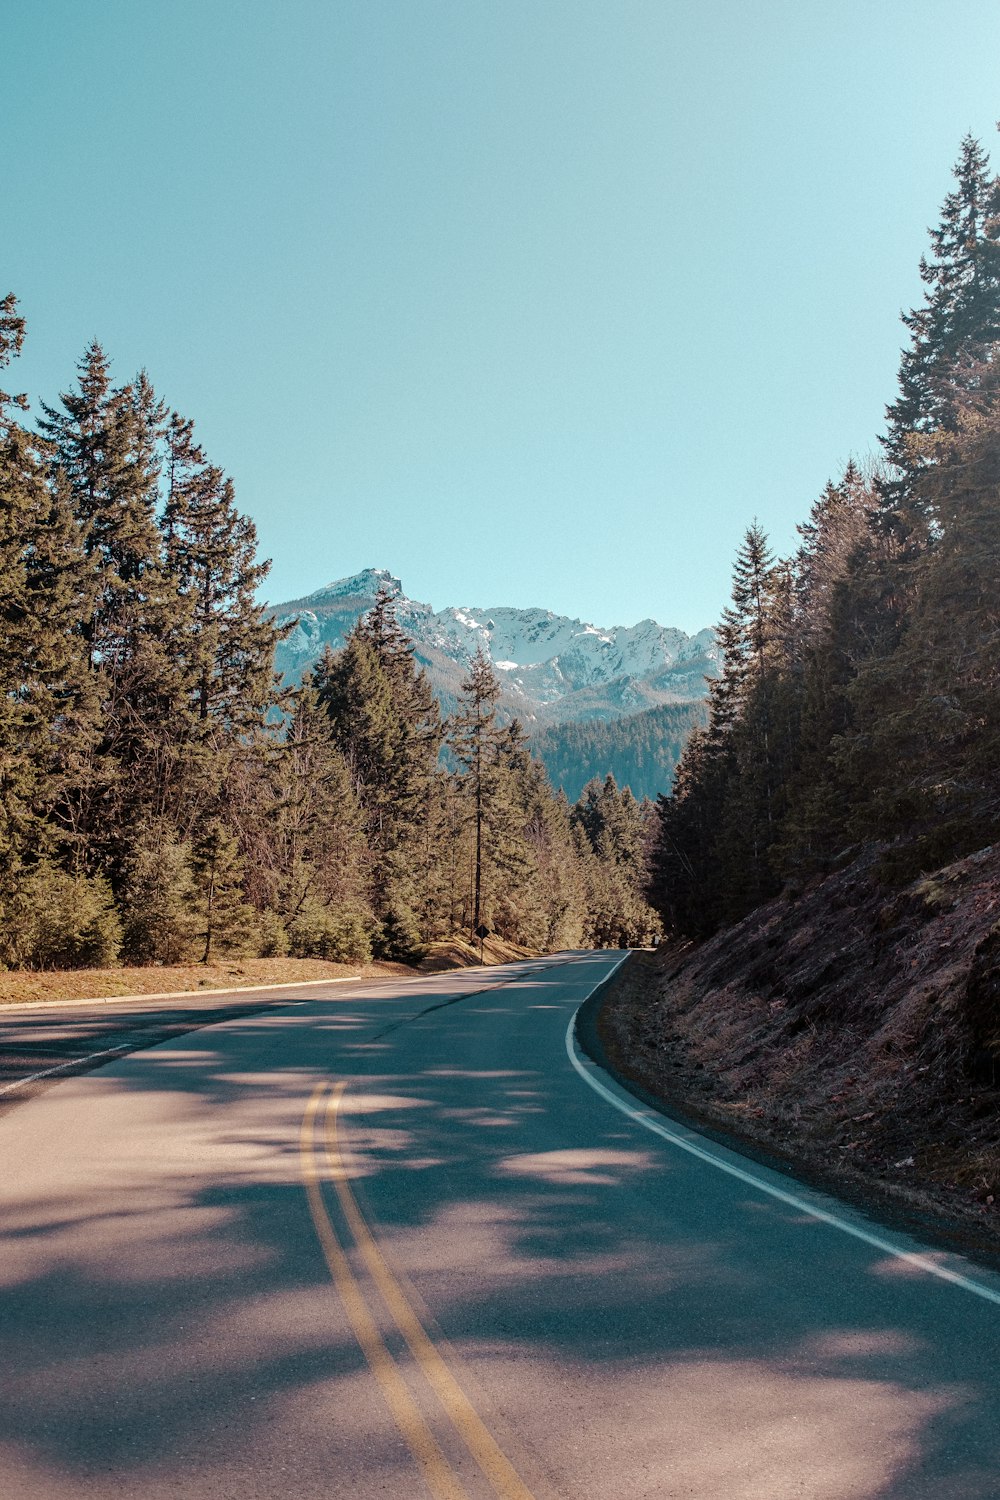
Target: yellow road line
478,1439
441,1481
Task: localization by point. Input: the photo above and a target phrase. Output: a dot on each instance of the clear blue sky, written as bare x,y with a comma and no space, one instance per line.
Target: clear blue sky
529,301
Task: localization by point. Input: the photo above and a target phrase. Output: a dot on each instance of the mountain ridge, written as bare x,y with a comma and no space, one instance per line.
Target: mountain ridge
558,674
543,659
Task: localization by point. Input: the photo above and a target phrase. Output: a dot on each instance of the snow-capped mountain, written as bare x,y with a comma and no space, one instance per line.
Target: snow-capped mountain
554,670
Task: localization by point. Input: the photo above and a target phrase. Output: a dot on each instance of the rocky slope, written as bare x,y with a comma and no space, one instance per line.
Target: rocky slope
851,1030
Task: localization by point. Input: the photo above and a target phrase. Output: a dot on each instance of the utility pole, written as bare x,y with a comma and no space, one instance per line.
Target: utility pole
472,742
476,923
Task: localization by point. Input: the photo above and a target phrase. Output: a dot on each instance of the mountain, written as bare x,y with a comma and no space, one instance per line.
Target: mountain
555,671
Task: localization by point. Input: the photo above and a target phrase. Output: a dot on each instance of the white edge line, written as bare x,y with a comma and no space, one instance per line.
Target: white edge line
73,1062
801,1205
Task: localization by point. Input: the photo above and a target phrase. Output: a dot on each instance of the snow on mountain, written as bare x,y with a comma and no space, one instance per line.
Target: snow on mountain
553,669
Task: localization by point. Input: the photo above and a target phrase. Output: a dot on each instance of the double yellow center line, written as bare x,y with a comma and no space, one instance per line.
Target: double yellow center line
440,1478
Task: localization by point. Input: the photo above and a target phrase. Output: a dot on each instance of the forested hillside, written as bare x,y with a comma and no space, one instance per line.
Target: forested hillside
831,842
859,695
640,751
162,798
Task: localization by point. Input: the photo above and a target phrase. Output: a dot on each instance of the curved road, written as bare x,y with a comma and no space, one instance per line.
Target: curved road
399,1239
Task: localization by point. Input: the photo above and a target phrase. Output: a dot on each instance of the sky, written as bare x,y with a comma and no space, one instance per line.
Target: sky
532,302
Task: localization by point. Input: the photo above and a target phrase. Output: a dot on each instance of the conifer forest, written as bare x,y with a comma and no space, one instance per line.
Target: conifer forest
858,703
163,799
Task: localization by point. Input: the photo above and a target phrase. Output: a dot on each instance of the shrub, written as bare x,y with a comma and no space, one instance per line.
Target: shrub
339,934
225,922
273,940
399,936
157,899
60,921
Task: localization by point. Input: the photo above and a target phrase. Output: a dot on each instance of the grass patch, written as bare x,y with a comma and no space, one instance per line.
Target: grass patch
20,986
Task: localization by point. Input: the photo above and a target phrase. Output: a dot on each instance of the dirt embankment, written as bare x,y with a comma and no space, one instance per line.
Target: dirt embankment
850,1031
459,952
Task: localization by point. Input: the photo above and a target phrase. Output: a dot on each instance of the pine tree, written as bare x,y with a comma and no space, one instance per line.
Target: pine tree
158,906
210,549
474,741
46,588
224,919
922,755
386,722
959,318
712,857
838,626
618,832
310,862
105,443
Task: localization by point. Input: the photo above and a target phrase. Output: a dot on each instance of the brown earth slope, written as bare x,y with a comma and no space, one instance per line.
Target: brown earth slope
459,952
850,1031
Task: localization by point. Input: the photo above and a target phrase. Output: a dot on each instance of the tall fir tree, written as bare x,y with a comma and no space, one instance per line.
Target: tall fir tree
475,741
210,551
386,722
47,588
106,451
958,319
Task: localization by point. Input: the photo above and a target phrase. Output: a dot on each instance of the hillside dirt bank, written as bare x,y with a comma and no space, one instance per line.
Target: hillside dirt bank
850,1033
458,952
19,986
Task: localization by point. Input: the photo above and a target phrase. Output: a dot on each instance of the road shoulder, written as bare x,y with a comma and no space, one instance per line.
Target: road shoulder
625,1029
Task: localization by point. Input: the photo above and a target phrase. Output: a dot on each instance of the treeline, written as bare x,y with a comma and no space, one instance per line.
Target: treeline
641,751
859,696
163,800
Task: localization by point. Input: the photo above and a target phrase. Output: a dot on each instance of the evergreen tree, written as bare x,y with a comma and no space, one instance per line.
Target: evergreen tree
308,854
959,318
618,832
105,440
46,588
105,443
158,905
922,755
713,848
58,920
475,741
386,723
211,552
223,917
838,626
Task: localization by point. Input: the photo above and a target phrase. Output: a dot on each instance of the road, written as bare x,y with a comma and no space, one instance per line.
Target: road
398,1238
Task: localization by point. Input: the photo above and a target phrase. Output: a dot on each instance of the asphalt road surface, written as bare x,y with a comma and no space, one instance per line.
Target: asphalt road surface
398,1238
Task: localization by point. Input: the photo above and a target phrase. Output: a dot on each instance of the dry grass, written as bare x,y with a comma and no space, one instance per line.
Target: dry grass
102,984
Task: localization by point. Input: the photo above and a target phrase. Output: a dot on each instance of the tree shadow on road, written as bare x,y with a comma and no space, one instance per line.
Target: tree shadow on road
168,1316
